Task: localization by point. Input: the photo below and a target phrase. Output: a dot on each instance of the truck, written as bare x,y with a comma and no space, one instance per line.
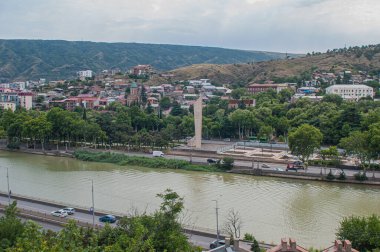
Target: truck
158,154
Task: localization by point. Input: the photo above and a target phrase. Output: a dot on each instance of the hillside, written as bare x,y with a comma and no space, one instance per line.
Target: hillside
56,59
356,59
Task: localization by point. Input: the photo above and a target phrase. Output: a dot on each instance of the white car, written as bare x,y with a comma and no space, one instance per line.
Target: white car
279,169
68,210
59,213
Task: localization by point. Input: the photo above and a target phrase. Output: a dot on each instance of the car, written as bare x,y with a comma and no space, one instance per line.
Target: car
107,218
59,213
217,243
265,166
292,169
227,139
279,169
298,164
212,161
68,210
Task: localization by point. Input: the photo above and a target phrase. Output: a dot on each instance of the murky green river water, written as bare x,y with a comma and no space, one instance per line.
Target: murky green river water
270,208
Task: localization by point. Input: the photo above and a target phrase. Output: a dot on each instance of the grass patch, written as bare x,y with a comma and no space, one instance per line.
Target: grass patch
121,159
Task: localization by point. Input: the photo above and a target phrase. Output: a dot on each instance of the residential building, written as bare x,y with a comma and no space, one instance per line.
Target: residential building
285,247
142,70
85,74
351,91
340,246
26,100
258,88
234,104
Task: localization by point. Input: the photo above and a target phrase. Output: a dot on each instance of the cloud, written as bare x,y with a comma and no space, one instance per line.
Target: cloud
273,25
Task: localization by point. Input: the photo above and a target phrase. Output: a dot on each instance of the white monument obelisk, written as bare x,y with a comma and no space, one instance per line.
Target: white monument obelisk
196,141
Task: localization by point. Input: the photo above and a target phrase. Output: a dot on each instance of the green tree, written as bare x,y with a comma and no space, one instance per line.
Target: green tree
363,232
165,103
357,143
304,140
11,227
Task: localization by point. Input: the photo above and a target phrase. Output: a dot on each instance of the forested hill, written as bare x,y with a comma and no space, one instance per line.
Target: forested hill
55,59
364,58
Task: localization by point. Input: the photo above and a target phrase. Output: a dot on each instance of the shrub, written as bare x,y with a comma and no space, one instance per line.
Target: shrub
342,176
227,163
330,176
13,145
361,176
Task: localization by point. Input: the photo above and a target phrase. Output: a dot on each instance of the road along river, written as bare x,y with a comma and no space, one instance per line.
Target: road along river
270,208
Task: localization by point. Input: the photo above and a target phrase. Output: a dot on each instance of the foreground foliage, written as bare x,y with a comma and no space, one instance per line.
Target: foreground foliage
363,232
160,231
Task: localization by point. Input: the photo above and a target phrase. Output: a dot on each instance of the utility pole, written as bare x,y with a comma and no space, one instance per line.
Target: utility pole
9,192
217,222
93,208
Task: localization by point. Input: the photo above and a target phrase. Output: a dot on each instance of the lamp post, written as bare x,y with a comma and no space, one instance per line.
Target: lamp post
217,221
93,208
9,192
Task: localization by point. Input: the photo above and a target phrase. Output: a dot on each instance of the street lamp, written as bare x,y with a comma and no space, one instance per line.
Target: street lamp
217,222
93,207
9,192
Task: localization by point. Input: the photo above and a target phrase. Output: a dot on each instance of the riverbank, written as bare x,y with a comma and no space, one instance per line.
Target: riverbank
121,158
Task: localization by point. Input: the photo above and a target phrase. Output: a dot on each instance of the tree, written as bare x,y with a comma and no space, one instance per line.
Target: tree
357,143
10,227
304,141
363,232
233,223
165,103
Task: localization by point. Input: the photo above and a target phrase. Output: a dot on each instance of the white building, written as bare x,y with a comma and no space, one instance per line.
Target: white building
350,91
85,74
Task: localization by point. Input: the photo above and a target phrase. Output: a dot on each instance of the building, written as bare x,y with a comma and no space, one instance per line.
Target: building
134,97
285,247
258,88
234,104
340,246
26,100
85,74
351,91
142,70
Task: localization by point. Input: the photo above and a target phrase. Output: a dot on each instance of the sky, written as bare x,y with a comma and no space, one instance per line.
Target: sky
297,26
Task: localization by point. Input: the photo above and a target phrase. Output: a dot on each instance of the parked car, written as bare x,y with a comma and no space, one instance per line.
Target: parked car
279,169
68,210
217,243
212,161
292,169
107,218
59,213
298,164
265,166
158,154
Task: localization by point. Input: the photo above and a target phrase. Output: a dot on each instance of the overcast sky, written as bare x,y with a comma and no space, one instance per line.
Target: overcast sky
271,25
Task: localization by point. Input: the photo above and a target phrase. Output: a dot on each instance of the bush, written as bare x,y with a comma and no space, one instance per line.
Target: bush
248,237
361,176
227,163
13,145
342,176
330,176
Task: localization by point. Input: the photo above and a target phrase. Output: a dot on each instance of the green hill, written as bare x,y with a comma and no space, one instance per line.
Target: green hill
57,59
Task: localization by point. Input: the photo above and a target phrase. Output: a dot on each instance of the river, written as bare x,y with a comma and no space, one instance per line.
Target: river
270,208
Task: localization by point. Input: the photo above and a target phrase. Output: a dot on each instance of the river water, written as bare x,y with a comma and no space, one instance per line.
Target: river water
270,208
